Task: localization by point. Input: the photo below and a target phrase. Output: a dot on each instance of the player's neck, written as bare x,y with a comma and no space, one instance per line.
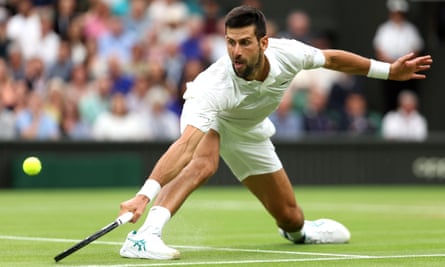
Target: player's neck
263,71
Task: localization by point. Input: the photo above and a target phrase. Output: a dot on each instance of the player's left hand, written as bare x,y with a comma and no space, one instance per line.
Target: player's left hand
408,66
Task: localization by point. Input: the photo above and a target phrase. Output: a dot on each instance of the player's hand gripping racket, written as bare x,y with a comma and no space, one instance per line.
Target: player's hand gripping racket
124,218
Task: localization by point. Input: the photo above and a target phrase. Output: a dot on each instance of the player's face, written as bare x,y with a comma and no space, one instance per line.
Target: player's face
246,52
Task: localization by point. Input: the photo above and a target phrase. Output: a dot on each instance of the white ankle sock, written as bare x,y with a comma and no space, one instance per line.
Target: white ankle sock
296,236
156,219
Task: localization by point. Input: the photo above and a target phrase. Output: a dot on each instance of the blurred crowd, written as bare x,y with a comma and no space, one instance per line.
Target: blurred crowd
116,70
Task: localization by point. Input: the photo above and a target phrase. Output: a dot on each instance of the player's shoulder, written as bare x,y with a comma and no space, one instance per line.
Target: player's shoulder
283,44
217,74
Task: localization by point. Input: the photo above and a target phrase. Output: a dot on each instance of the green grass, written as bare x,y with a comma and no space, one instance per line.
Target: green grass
390,226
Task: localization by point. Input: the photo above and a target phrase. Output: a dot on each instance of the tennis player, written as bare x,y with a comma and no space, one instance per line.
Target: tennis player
226,113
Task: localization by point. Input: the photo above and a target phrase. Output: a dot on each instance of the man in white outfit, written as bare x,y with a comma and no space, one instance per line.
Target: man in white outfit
225,114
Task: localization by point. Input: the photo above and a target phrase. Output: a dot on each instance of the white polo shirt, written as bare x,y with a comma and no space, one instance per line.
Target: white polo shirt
219,98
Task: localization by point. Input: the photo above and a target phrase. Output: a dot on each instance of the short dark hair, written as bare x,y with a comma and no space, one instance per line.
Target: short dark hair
243,16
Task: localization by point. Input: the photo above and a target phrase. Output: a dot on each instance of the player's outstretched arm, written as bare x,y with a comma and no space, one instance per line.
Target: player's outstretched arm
405,68
168,166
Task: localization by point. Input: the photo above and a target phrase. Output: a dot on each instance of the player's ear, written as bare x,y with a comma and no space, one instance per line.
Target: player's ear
264,42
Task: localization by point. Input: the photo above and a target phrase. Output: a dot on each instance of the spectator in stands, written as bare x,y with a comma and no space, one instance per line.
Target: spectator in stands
21,90
96,101
191,69
76,39
405,123
96,19
121,82
35,75
48,43
191,46
138,62
136,21
316,119
34,123
298,26
72,127
53,102
65,14
174,62
7,90
120,124
157,78
95,66
63,66
162,122
79,85
115,42
169,18
137,97
7,102
5,41
288,123
211,14
7,121
16,62
24,28
395,37
356,119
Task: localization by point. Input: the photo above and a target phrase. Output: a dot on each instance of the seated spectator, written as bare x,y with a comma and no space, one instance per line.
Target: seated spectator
7,120
63,65
54,99
137,97
162,122
316,118
79,84
65,13
288,123
16,63
34,123
76,39
405,123
121,82
116,42
118,124
24,29
355,119
47,45
136,21
72,127
5,41
96,101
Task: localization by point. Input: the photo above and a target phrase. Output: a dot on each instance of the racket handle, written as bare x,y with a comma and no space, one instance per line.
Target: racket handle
124,218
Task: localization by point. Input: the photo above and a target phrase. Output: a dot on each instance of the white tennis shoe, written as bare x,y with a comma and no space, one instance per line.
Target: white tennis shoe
321,231
147,246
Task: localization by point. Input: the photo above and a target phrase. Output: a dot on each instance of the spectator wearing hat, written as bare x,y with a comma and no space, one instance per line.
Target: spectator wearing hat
395,37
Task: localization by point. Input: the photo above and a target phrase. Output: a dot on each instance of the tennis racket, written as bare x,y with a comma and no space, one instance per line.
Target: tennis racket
124,218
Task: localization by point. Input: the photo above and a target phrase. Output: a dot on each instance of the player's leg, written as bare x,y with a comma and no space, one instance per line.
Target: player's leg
203,165
275,192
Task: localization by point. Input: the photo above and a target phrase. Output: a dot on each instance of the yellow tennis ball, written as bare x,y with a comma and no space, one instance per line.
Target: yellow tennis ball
32,166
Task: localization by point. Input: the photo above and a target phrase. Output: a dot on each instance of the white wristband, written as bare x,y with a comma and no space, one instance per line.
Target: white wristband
379,70
150,189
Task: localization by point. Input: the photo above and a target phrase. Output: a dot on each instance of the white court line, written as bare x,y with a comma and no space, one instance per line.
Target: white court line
61,240
213,263
333,257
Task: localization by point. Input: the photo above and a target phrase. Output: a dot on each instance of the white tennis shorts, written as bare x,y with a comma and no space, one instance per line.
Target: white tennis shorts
246,153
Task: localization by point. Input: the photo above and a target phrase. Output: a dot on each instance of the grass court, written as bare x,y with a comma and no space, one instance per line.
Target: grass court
227,226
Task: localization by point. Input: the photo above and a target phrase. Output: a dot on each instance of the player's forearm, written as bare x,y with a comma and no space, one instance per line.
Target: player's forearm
346,62
177,156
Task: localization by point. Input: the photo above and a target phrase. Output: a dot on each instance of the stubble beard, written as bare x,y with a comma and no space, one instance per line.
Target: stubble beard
249,69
